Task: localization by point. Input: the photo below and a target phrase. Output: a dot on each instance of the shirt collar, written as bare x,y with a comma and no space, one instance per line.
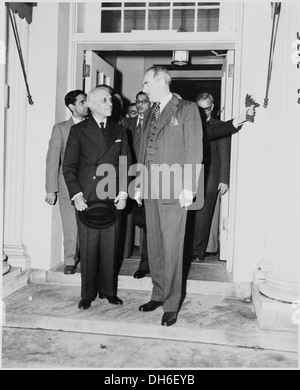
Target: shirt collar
98,121
76,120
165,100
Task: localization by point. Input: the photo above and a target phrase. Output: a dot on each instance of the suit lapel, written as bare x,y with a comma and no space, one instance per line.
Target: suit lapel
167,114
93,131
108,141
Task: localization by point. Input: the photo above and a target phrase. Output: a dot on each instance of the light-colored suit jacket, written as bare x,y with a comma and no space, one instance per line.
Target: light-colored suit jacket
178,138
55,181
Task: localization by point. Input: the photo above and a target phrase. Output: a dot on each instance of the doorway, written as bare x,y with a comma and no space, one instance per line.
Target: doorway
207,72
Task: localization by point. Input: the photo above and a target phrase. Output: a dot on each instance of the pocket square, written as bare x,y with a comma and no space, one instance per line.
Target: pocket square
118,140
174,121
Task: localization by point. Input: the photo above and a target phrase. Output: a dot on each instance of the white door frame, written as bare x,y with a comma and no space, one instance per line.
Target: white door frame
76,52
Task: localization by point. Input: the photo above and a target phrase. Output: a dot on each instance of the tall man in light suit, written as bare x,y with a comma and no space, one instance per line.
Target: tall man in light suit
55,182
172,135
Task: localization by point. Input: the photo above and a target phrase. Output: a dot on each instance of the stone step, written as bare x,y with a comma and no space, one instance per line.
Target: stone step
13,281
206,319
206,278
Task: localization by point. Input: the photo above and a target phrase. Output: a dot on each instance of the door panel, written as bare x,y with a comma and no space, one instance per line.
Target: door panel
225,115
97,71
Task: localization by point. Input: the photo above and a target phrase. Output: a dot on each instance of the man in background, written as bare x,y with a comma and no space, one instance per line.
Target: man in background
137,213
216,160
55,182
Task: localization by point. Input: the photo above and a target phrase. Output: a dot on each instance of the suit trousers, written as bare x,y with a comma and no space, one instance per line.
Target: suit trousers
202,224
165,236
98,258
213,241
70,234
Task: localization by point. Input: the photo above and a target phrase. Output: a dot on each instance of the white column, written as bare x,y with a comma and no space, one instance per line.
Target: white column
2,121
14,152
282,231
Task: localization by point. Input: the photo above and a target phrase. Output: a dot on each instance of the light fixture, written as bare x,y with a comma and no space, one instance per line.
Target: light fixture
180,57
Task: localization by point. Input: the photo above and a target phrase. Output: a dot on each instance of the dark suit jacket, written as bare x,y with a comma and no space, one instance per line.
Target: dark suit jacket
133,138
178,138
87,149
216,157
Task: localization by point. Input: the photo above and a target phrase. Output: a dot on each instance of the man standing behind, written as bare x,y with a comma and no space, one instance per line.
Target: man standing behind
216,160
97,144
212,129
55,182
136,126
173,135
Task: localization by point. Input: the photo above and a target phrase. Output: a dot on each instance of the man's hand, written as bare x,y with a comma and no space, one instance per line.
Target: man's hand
186,198
51,198
223,188
121,200
137,196
240,120
80,203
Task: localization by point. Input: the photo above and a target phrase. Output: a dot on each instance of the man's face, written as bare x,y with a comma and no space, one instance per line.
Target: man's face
100,103
80,107
152,86
142,103
206,106
132,111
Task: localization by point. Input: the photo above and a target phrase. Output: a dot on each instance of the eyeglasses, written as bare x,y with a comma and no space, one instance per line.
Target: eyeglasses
132,112
141,102
207,109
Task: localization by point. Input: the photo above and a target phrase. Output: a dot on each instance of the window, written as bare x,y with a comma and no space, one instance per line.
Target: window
125,17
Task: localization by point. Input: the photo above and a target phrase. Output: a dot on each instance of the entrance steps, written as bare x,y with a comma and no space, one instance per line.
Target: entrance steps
209,319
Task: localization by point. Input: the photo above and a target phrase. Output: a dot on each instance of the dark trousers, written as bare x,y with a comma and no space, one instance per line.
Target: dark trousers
202,223
98,257
144,262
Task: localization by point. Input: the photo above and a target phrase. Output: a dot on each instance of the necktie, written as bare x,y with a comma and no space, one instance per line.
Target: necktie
156,110
102,128
139,126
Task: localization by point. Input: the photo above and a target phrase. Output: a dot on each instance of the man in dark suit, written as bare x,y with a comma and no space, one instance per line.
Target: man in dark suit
212,130
136,127
173,135
55,182
91,144
216,160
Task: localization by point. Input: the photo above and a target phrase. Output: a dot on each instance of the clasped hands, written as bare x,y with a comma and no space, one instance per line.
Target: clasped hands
120,201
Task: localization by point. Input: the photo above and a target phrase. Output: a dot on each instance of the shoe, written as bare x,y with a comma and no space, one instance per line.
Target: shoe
70,269
84,303
150,306
210,254
169,318
197,259
113,300
139,274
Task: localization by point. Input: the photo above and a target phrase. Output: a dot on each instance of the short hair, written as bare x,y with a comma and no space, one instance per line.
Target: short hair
71,96
204,96
107,87
161,71
140,93
130,105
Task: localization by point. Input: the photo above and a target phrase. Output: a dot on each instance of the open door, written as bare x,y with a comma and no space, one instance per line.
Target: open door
96,71
226,114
